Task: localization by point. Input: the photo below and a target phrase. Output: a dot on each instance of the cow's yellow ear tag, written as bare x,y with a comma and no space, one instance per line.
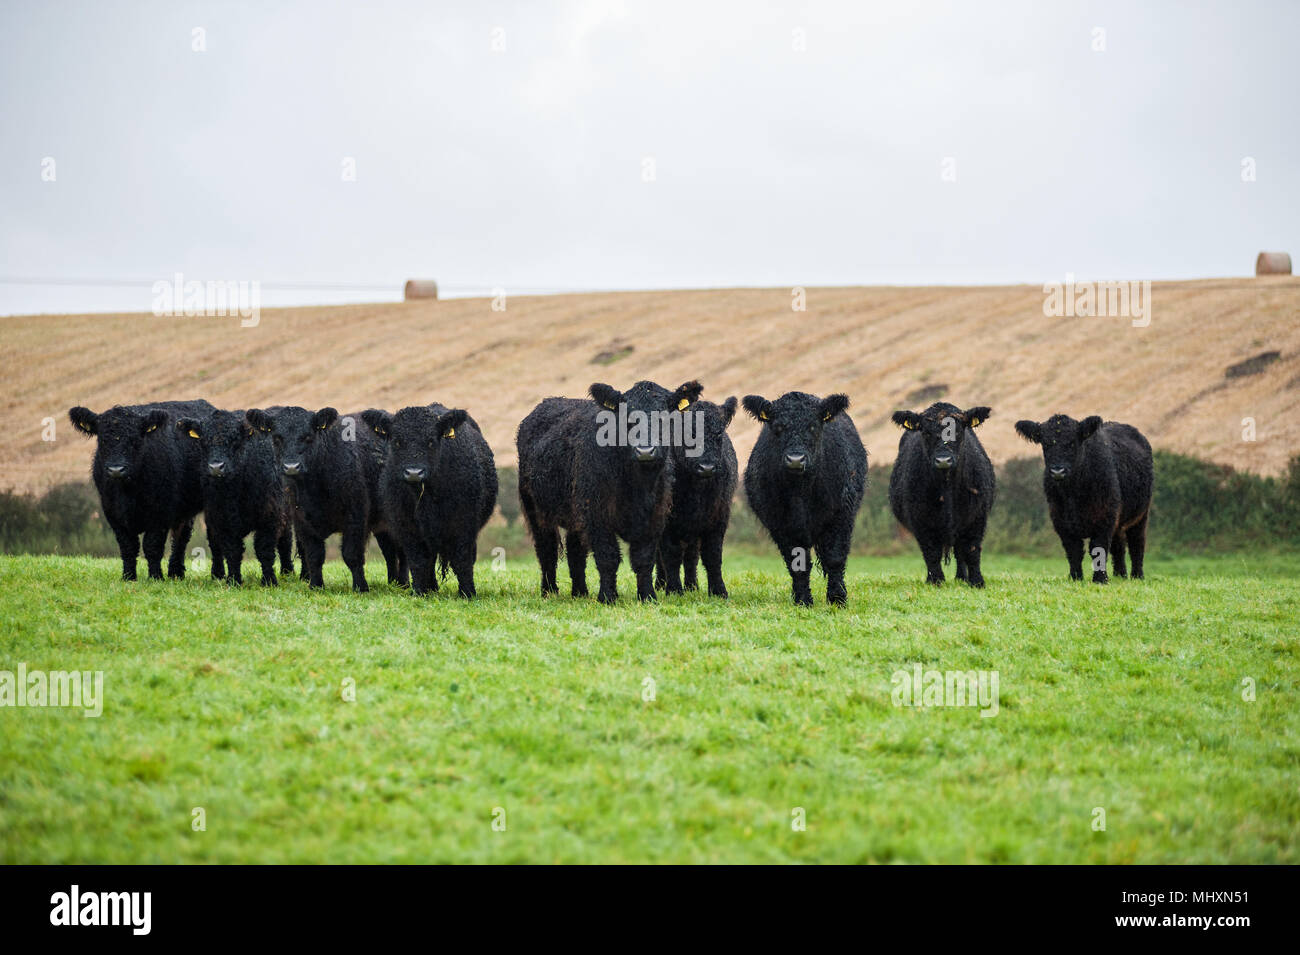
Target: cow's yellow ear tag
762,416
974,422
193,433
451,433
683,404
908,426
152,427
609,406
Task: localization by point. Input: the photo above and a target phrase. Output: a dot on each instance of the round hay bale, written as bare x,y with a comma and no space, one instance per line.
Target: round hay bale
1273,263
420,288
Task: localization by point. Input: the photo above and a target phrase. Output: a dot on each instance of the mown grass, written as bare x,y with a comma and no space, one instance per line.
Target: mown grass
1127,697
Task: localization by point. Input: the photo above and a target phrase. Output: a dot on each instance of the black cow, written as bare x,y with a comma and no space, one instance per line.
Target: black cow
1098,479
437,489
331,467
374,452
148,480
942,487
598,469
704,482
284,545
243,490
804,481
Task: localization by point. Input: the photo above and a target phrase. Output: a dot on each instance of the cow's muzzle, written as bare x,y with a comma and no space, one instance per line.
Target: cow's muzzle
414,475
796,462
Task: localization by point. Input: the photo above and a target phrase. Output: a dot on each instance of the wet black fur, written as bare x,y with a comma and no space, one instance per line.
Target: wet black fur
598,493
1103,492
946,510
435,520
814,508
160,491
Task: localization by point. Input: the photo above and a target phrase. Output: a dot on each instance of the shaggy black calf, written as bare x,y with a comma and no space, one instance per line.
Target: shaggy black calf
1098,480
942,487
330,468
704,482
374,452
284,544
243,490
148,480
804,481
598,469
437,489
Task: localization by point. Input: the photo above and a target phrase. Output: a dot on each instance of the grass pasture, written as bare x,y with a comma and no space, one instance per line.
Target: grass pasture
1127,697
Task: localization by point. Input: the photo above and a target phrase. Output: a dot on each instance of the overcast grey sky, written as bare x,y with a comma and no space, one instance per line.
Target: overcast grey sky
524,167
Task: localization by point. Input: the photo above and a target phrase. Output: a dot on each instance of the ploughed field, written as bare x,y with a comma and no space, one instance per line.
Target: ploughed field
688,730
1212,353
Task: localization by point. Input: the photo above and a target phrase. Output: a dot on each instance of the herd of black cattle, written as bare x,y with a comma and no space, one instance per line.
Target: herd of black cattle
423,482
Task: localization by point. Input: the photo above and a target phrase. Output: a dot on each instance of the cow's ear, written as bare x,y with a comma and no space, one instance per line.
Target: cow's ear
84,420
323,419
153,420
728,410
258,420
907,419
450,421
686,395
1088,427
758,407
190,427
976,416
830,407
380,422
1030,431
605,396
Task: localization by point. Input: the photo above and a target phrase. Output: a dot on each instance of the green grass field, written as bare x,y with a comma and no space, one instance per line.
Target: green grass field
1127,698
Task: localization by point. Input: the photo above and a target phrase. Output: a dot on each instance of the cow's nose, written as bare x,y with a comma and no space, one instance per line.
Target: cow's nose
414,475
705,470
117,471
646,454
293,468
217,468
796,462
943,461
1058,473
